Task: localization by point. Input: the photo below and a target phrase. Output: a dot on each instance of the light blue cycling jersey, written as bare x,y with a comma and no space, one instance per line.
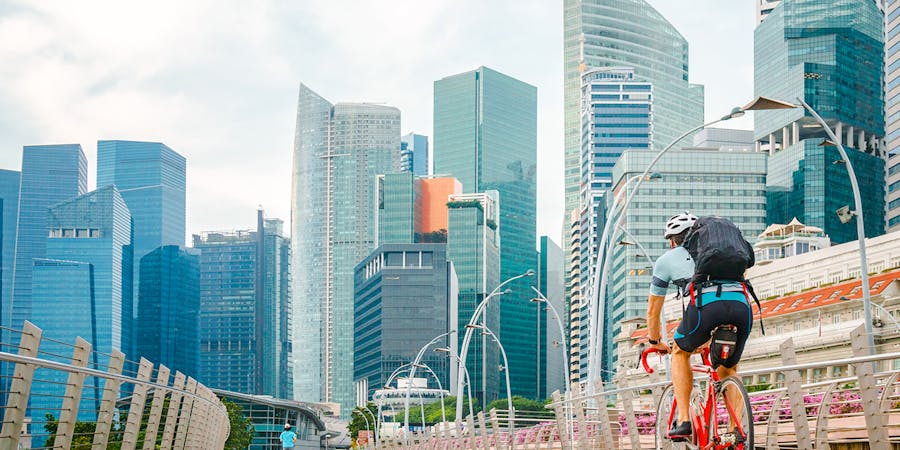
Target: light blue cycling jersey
675,264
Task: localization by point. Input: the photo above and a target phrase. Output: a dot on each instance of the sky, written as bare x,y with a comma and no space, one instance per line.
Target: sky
217,81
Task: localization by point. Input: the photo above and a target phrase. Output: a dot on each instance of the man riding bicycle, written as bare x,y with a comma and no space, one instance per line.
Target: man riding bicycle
713,304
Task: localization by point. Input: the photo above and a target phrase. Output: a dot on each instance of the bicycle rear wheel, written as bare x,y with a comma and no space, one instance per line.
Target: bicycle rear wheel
734,419
664,416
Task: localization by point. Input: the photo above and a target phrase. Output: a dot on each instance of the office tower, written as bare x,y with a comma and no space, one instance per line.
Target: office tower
617,113
406,295
763,8
551,280
9,200
625,33
50,174
574,305
485,134
432,207
842,80
704,182
244,298
339,150
151,178
473,245
892,112
397,194
726,139
168,316
414,154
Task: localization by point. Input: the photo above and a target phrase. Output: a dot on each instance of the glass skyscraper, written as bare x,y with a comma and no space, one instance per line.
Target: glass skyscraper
339,150
414,154
703,182
832,55
405,296
551,280
473,245
151,178
168,317
244,315
625,33
50,174
397,194
9,203
892,111
485,135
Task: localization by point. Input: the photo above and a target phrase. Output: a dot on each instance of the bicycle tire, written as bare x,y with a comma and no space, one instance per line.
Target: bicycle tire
663,409
744,442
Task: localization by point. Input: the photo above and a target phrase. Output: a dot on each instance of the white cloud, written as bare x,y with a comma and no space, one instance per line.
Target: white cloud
217,81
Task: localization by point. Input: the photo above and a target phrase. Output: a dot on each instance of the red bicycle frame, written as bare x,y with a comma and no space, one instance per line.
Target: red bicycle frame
701,423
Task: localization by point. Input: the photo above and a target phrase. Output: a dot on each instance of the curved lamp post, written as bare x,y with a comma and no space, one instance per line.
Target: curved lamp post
455,359
541,298
412,373
375,424
487,331
468,337
368,428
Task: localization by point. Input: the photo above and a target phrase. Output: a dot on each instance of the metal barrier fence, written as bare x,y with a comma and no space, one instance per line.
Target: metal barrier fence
860,411
61,395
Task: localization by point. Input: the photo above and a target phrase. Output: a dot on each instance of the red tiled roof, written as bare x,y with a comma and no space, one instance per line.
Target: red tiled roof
813,298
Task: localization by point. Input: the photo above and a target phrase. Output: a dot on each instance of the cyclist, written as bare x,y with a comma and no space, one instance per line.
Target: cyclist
677,266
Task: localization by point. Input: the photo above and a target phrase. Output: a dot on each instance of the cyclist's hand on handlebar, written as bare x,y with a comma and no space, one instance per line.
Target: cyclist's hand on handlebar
662,347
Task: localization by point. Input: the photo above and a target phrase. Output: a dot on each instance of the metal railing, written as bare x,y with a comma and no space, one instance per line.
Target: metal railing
839,413
60,395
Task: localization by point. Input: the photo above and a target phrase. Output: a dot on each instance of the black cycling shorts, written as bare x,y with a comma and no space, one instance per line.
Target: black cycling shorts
697,325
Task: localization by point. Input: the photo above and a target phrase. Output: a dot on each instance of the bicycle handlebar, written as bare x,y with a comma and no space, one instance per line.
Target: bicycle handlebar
647,352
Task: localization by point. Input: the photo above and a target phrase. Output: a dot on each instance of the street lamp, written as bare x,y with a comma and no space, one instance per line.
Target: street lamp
541,298
375,424
487,332
761,103
455,359
440,388
368,428
468,337
412,373
635,242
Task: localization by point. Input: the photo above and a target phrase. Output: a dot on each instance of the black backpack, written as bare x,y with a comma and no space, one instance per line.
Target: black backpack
719,250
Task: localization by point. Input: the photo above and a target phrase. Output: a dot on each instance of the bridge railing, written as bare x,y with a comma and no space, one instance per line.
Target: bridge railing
62,395
848,410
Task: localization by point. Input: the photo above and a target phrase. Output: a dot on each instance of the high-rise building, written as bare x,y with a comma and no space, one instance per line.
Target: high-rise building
842,80
244,310
704,182
432,207
625,33
414,154
473,245
9,201
50,174
151,178
485,135
339,150
763,8
397,215
574,305
168,316
406,295
551,280
892,112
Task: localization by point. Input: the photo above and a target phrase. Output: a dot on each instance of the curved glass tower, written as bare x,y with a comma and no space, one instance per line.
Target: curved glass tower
626,33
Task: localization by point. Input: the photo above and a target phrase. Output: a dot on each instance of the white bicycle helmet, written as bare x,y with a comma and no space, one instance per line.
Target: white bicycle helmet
679,223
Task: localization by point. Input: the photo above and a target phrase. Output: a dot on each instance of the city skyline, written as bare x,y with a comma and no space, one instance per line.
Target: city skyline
178,101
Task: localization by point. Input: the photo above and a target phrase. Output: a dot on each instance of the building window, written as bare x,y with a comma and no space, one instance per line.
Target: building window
393,259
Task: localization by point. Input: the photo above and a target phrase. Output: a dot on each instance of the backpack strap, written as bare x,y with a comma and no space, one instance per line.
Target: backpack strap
749,288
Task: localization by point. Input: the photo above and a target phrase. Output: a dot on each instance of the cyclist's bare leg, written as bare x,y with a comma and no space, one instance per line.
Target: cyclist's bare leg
683,381
732,395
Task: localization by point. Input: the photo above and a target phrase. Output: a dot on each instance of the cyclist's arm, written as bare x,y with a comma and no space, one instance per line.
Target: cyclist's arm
654,327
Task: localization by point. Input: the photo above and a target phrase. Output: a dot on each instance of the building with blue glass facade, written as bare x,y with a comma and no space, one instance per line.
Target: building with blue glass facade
245,310
397,216
485,135
892,111
80,286
702,181
551,282
339,151
414,154
406,295
473,245
9,201
50,174
151,178
168,316
625,33
832,55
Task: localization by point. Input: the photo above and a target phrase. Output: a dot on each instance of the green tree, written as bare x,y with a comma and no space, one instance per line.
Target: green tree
358,418
84,434
433,411
241,427
519,403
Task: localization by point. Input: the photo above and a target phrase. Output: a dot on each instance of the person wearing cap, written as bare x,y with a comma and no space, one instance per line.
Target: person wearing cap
288,437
